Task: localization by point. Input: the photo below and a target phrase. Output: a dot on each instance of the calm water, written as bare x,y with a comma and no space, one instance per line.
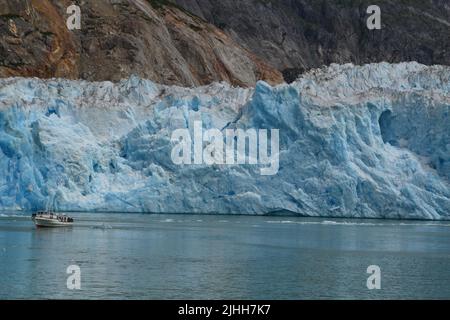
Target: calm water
214,257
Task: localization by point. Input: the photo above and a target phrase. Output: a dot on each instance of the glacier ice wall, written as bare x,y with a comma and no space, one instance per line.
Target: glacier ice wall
355,141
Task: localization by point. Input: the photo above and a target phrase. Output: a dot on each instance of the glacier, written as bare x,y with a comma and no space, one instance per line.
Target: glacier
368,141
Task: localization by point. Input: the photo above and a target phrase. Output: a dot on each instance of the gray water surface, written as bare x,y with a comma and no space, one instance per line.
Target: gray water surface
130,256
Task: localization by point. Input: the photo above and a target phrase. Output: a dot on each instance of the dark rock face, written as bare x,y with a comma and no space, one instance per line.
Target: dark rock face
34,40
118,38
195,42
296,35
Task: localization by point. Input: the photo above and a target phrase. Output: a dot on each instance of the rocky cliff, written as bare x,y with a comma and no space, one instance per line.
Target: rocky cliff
297,35
196,42
157,41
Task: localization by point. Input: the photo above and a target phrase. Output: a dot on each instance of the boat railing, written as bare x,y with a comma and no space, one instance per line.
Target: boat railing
52,215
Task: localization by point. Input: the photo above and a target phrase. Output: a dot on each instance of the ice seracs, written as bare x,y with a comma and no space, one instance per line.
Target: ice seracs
355,141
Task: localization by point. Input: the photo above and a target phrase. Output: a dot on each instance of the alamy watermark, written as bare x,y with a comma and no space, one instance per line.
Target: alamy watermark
374,20
234,146
74,20
374,280
74,280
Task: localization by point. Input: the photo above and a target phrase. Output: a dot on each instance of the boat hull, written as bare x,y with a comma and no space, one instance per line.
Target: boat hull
50,223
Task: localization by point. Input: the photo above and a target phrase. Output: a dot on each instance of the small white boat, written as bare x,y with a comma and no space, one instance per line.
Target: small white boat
51,220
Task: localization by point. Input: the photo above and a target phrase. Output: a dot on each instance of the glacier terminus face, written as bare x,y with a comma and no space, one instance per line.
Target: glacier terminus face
354,141
235,147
